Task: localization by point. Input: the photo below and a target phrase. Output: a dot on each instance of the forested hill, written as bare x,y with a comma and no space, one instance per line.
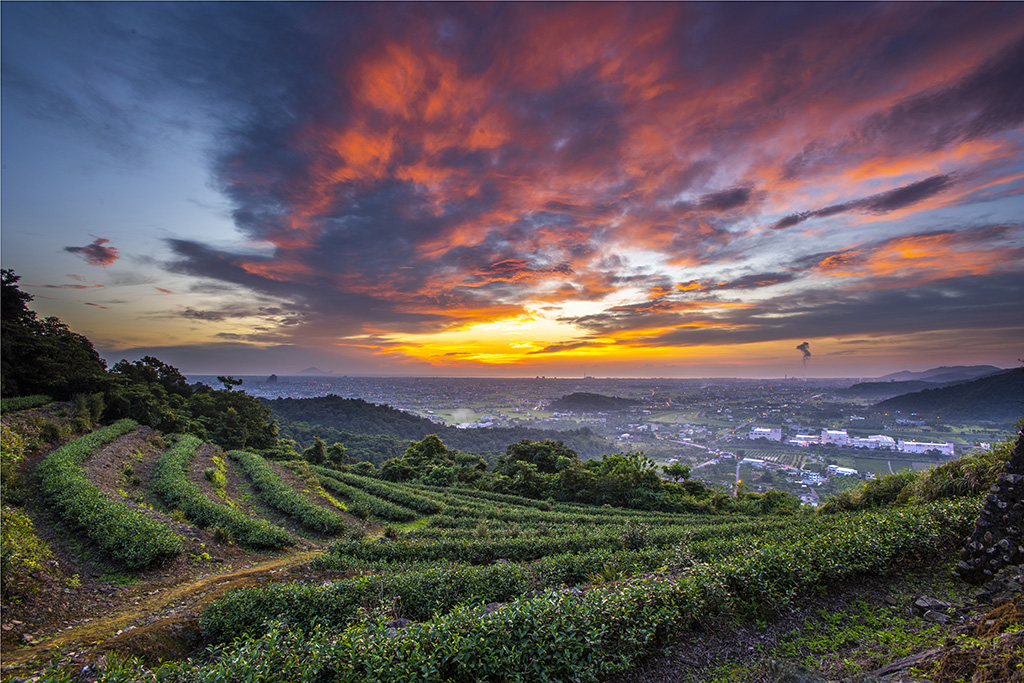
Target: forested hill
360,426
582,402
999,398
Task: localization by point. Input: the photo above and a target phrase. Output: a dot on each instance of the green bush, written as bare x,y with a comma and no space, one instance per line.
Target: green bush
24,402
314,633
171,483
397,493
21,550
280,496
124,533
368,503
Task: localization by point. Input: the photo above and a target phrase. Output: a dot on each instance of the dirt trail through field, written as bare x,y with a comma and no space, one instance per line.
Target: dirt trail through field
159,624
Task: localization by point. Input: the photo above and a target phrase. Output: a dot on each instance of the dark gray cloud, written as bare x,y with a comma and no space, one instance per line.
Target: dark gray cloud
725,199
881,203
96,254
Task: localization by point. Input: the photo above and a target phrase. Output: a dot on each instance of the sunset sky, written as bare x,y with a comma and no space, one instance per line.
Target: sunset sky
528,189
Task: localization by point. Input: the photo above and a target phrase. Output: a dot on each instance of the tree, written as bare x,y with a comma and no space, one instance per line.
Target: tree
337,454
544,455
229,382
677,471
152,370
317,453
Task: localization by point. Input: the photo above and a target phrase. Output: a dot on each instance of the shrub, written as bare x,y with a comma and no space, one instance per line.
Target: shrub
280,496
171,483
124,533
21,550
24,402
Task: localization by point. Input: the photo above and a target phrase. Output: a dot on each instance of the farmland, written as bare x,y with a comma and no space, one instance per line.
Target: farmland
399,579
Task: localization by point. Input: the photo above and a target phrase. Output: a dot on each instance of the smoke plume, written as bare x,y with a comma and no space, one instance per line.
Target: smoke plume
806,349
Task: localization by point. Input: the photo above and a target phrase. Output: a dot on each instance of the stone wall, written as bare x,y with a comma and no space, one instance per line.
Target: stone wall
998,538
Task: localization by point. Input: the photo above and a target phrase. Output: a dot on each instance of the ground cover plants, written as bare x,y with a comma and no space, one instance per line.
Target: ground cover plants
279,495
171,483
332,632
126,534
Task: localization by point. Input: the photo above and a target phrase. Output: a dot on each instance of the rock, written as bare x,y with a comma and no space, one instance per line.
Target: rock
927,603
936,617
891,601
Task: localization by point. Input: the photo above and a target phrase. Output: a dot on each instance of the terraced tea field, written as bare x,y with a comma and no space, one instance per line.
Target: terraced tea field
352,578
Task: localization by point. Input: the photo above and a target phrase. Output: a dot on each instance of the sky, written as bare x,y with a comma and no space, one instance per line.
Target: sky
520,189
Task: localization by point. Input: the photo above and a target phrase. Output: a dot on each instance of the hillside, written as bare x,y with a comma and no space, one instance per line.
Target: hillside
999,398
360,424
956,373
883,390
597,587
583,402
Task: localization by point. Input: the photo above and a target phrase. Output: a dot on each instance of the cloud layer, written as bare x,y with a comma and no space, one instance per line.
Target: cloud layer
608,178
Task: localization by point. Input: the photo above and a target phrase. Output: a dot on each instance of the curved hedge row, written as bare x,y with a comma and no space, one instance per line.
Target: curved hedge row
581,637
279,495
125,533
396,493
171,483
419,596
371,504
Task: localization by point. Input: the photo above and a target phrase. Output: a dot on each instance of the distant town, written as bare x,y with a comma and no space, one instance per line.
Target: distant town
811,437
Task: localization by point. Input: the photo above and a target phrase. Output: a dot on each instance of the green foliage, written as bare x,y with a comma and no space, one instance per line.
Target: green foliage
419,596
150,370
171,483
342,632
677,471
124,533
24,402
431,461
367,502
12,450
280,496
396,493
21,550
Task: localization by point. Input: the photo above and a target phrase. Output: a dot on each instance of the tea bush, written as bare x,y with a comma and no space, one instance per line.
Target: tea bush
24,402
282,497
378,507
171,483
125,534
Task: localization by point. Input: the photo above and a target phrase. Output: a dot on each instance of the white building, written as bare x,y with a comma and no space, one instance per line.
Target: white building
805,440
766,433
842,471
756,462
924,447
875,441
839,437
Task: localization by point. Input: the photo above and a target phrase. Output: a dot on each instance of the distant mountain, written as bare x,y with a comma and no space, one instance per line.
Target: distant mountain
957,373
315,371
582,402
999,398
880,390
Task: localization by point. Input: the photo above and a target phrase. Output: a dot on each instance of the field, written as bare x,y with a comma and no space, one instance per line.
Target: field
261,570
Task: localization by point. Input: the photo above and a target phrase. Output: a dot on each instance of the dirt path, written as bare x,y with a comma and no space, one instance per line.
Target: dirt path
161,624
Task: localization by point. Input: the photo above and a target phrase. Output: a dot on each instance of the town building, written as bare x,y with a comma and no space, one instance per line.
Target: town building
838,437
923,447
876,441
766,433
